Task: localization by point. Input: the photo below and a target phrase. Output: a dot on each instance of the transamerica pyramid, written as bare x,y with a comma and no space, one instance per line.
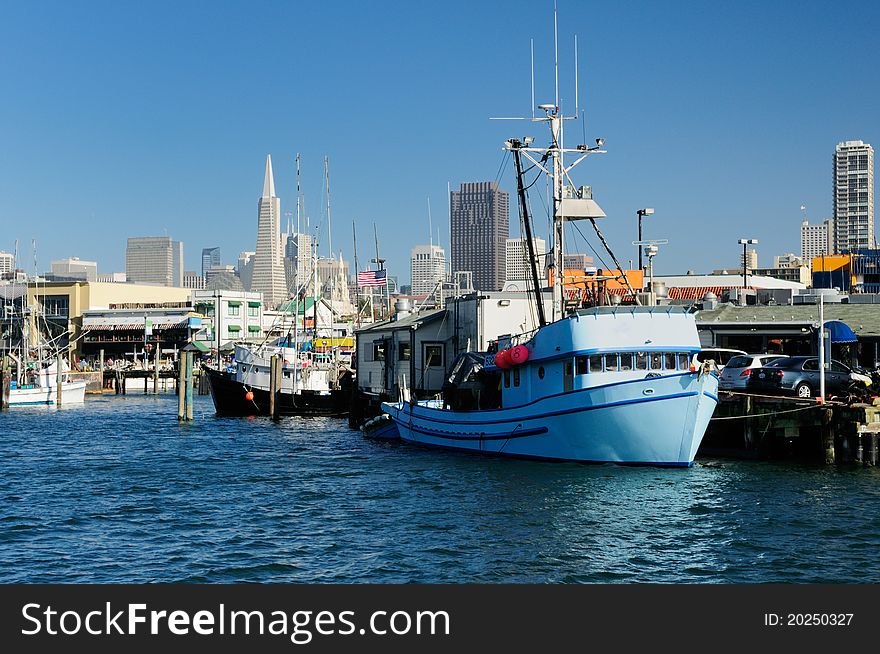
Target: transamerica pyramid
268,272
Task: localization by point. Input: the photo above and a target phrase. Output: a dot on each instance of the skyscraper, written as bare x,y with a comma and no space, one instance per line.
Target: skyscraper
268,271
853,196
245,268
480,227
210,259
817,240
517,266
154,260
298,261
428,267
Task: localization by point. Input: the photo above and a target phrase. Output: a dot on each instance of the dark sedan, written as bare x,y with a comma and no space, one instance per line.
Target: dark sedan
800,376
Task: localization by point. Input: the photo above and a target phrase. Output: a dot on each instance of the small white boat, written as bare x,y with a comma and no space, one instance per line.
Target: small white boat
44,389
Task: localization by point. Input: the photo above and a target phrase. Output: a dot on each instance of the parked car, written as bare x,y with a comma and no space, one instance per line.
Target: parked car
800,376
719,355
736,373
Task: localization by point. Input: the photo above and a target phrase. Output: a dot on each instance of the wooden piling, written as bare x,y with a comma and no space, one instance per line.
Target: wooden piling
58,387
872,449
156,371
101,369
274,387
828,433
5,382
181,385
189,386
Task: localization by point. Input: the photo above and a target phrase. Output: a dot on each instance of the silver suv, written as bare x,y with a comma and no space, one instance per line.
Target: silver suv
739,368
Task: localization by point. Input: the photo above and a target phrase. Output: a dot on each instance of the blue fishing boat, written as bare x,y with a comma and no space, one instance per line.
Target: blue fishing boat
617,384
606,384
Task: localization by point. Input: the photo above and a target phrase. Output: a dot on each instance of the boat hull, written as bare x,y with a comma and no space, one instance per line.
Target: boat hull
71,393
653,421
229,396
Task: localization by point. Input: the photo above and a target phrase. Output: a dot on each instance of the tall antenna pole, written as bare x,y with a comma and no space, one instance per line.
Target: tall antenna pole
576,107
532,42
555,54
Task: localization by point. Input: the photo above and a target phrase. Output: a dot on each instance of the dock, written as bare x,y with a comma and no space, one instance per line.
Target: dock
771,427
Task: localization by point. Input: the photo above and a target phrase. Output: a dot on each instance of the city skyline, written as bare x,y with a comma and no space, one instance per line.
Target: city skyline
680,130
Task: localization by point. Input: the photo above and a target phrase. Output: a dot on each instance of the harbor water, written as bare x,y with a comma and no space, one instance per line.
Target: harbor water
117,491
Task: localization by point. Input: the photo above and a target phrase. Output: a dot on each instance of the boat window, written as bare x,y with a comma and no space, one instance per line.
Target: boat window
656,360
683,363
378,350
540,372
516,376
567,377
611,363
404,351
669,361
641,361
595,363
433,356
580,365
506,379
626,361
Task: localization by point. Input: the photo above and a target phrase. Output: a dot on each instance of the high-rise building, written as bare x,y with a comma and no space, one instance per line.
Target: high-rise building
154,260
7,262
268,273
428,268
480,227
817,240
517,265
333,281
74,268
245,268
210,259
298,261
750,261
853,196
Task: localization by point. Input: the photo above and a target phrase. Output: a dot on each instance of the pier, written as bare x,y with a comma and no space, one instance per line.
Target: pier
770,427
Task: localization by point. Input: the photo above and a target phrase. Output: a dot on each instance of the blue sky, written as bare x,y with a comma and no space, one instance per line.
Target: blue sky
135,119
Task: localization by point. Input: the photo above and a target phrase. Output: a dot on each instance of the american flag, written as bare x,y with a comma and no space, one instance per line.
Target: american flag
371,278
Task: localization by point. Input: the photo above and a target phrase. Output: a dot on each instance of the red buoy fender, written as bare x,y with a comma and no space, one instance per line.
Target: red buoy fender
502,359
519,354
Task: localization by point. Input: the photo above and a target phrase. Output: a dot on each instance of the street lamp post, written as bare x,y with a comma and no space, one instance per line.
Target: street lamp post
641,213
745,242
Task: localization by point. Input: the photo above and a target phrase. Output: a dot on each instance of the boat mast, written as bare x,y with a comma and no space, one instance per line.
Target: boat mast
539,303
332,260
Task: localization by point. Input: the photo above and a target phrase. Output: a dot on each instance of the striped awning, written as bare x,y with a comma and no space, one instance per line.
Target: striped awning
134,323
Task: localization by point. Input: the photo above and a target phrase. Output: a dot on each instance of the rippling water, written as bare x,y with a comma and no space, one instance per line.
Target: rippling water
117,491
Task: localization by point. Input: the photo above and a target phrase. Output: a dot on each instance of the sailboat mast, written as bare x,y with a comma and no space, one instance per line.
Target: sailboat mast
357,288
380,263
332,257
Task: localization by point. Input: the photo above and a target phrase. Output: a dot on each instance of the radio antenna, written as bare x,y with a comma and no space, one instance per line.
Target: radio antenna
532,43
576,108
555,55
